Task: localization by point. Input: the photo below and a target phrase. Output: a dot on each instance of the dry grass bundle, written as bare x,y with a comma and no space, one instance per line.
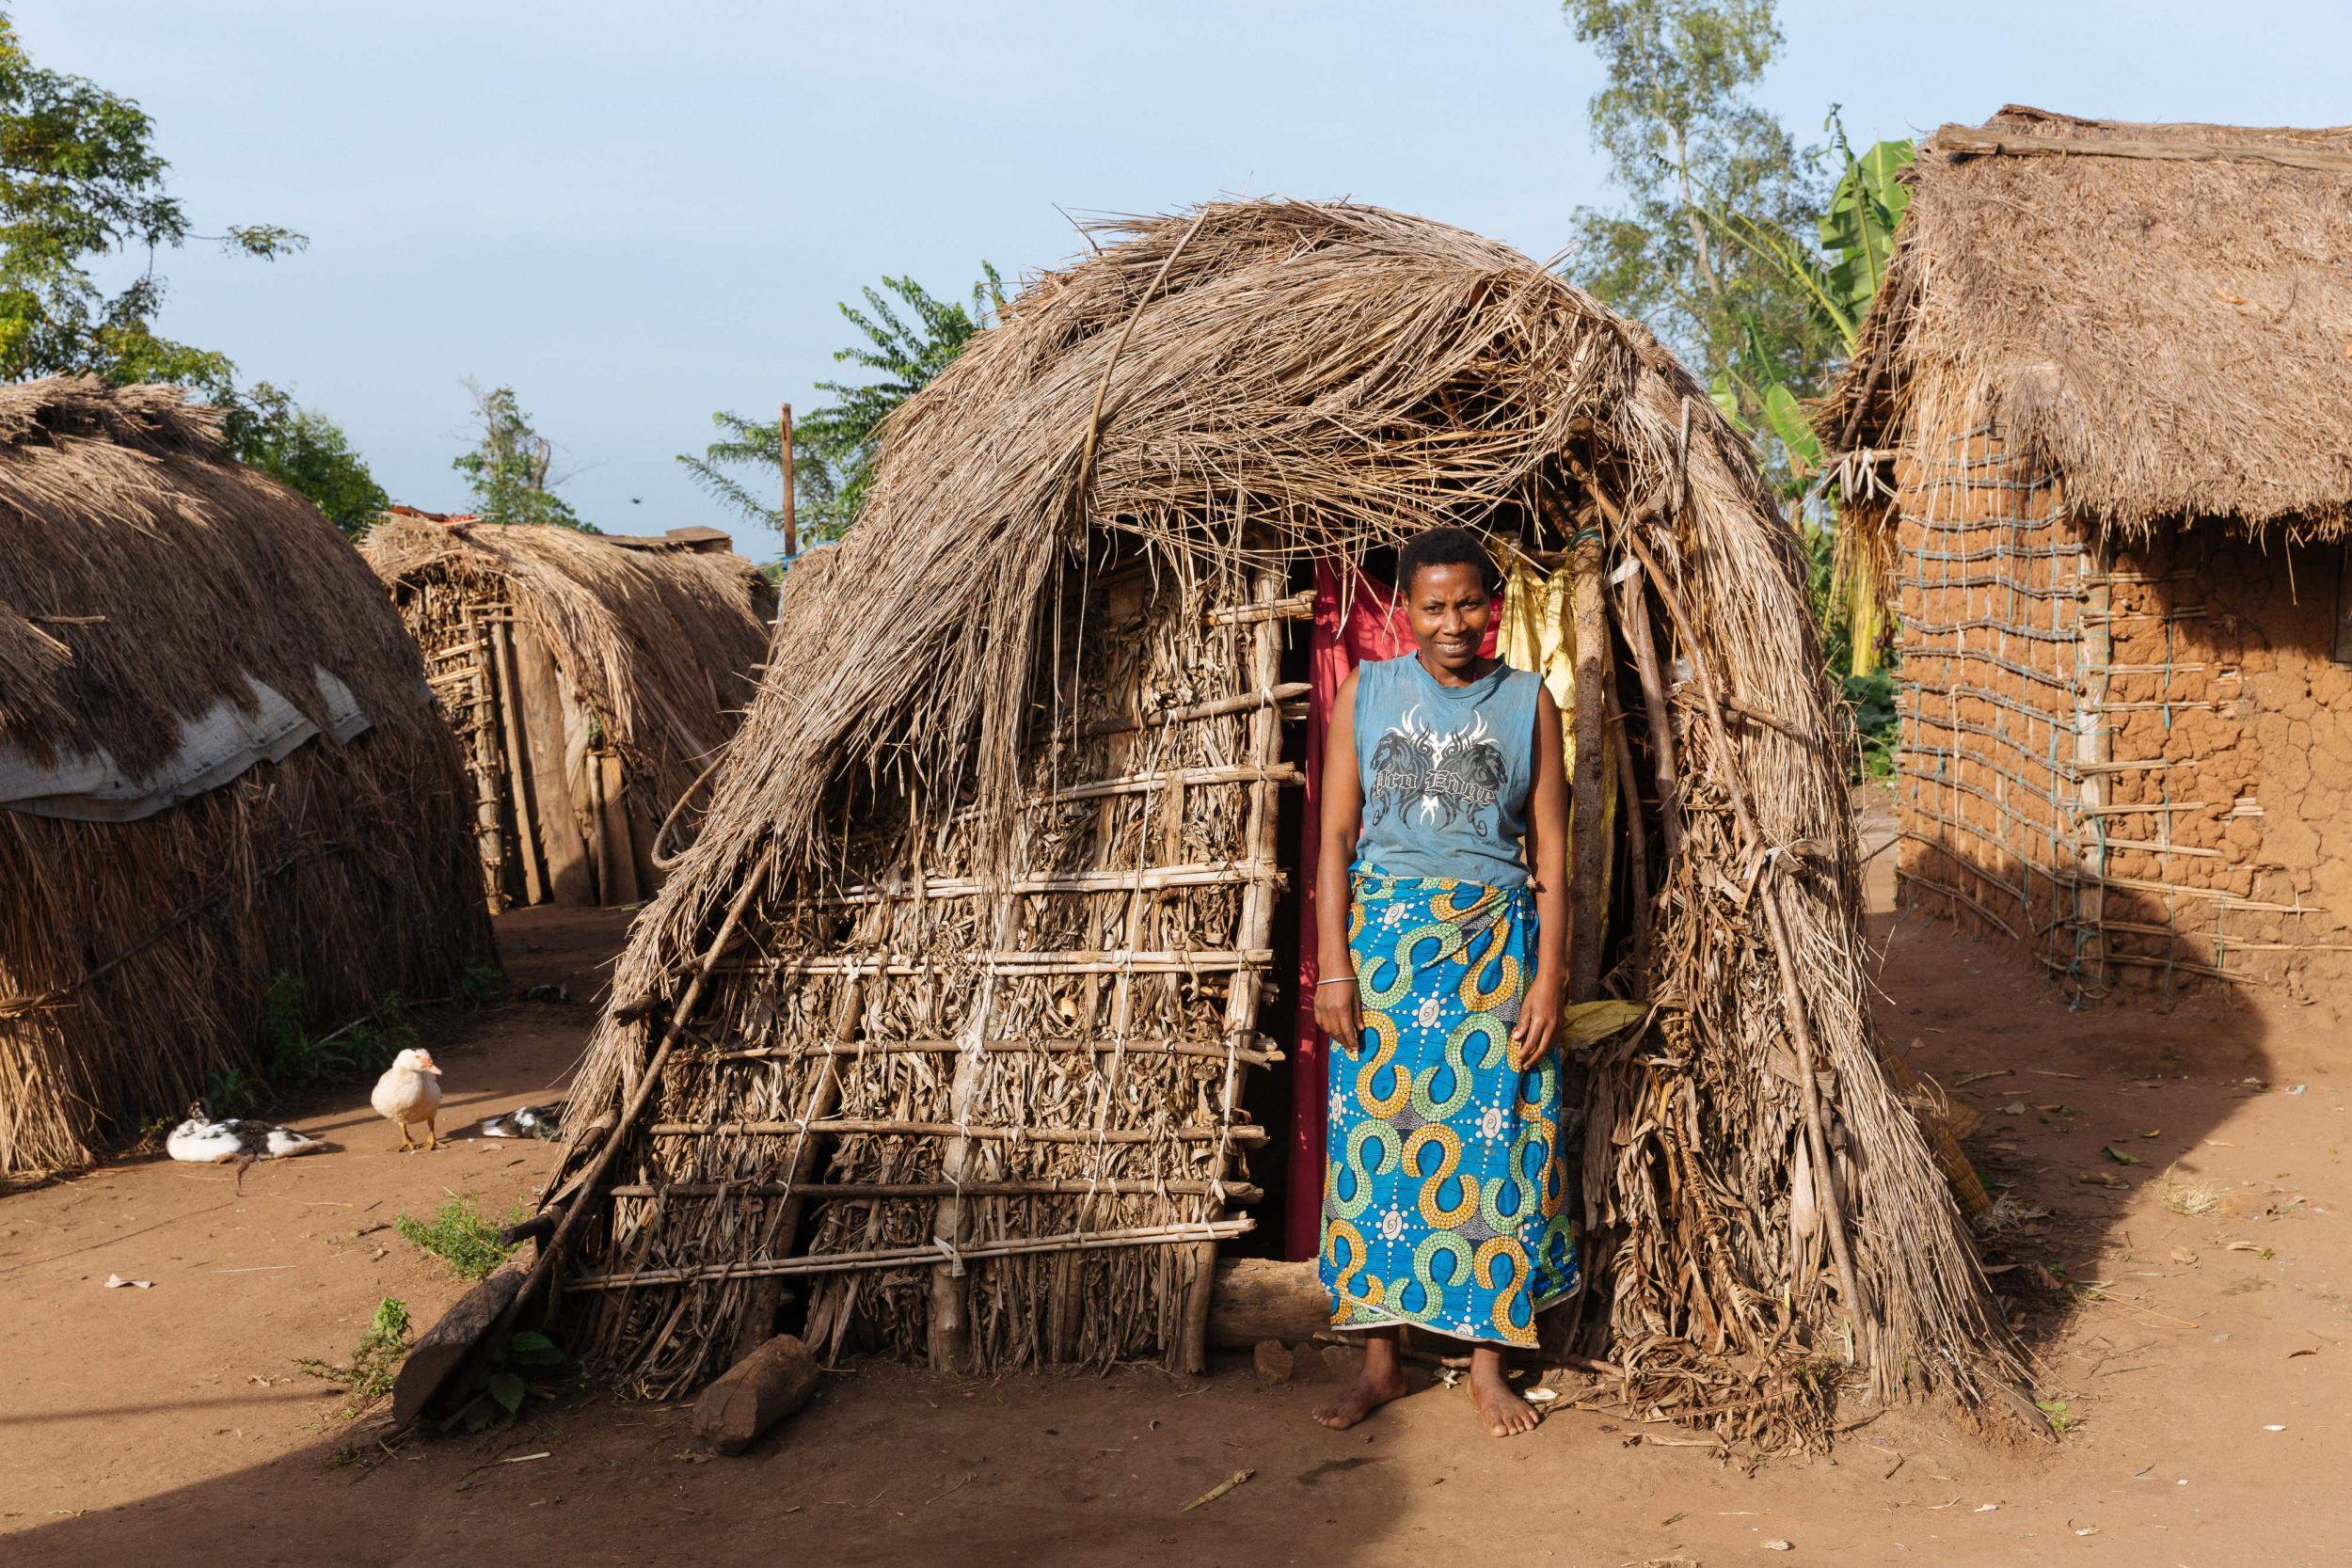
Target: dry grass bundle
2188,1195
147,581
971,944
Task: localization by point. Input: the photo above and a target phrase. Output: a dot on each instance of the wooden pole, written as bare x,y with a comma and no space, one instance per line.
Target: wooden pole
1255,926
947,1331
518,794
1636,836
483,764
784,440
766,1294
542,1266
1588,842
2095,654
1793,996
1633,615
1970,141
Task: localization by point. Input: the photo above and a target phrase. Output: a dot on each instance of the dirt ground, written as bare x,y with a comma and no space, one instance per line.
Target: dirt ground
2199,1363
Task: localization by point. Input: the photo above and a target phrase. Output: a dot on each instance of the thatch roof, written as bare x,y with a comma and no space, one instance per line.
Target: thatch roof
169,601
658,637
221,774
1256,382
2163,317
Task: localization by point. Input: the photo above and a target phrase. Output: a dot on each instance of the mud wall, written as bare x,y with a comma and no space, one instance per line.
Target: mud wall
2134,762
2234,756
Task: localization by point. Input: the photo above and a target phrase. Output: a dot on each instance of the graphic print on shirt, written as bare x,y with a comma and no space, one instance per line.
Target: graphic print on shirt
1425,776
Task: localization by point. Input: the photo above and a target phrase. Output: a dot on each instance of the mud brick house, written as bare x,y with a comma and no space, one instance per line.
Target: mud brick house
2097,445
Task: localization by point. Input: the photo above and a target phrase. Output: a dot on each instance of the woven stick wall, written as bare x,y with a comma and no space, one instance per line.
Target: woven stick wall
1056,1056
1216,400
1998,778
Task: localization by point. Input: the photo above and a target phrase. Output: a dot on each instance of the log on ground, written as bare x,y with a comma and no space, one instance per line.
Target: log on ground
1258,1299
755,1394
448,1343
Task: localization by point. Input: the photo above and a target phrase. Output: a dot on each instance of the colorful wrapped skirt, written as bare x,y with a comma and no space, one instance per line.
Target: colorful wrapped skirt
1445,1200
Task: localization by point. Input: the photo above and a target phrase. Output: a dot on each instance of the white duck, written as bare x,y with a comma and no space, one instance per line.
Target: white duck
202,1141
528,1122
410,1092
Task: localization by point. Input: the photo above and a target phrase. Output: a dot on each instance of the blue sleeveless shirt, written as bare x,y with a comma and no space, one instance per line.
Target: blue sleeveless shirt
1446,770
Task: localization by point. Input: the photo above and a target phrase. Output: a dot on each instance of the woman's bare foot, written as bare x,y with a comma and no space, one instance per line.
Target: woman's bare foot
1505,1414
1382,1380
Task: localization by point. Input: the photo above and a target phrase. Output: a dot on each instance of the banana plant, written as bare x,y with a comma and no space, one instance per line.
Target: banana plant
1840,281
1859,227
1857,234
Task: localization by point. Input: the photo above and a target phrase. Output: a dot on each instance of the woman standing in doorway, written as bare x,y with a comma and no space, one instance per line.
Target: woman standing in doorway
1443,930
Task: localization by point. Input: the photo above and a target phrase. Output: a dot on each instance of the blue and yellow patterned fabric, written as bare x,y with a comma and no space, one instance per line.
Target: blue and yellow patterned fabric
1445,1199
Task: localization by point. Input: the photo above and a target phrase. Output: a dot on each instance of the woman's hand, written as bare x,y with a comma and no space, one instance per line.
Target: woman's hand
1340,1014
1538,1028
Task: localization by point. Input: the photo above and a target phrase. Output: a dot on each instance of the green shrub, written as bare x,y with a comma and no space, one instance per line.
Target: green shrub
459,1237
516,1366
483,984
294,1058
374,1363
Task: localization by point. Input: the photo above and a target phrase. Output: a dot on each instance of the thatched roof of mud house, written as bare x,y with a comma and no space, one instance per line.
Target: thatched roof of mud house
658,636
218,765
2161,315
1233,392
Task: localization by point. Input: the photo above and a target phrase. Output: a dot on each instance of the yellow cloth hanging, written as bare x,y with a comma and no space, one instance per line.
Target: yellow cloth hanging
1539,633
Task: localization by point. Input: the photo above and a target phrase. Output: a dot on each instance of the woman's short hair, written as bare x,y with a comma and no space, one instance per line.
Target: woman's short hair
1446,547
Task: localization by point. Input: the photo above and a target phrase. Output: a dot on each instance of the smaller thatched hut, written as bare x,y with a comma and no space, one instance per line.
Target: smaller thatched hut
220,774
2096,442
590,678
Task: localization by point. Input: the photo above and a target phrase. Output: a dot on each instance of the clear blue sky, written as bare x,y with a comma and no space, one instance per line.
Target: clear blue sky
636,215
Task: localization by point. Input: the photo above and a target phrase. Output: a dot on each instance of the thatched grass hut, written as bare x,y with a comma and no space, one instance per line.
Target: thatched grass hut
219,766
960,1011
591,679
2096,440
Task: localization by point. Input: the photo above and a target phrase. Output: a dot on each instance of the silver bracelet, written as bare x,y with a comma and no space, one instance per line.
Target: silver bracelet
1338,980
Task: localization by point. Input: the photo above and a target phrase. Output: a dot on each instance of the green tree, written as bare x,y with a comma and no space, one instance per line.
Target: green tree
507,469
304,450
80,180
834,446
1683,141
1753,258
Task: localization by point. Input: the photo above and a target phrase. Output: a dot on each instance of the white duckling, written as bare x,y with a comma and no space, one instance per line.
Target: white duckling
202,1141
410,1092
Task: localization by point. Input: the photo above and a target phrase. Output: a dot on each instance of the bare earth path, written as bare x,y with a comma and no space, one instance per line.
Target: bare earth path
2206,1381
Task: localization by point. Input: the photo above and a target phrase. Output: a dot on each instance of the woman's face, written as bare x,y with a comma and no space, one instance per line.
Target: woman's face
1449,608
